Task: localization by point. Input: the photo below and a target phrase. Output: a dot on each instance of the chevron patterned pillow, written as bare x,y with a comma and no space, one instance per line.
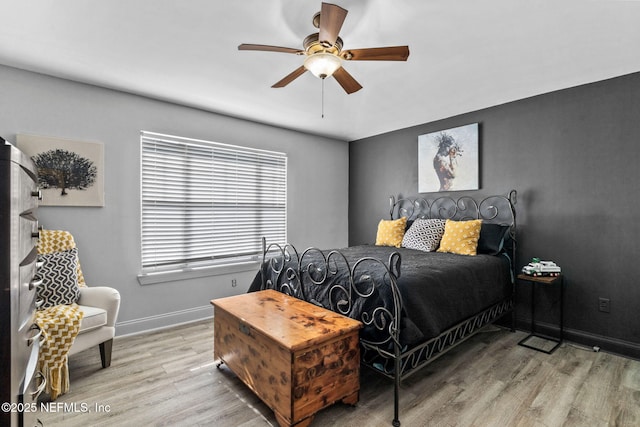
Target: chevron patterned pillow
424,234
59,278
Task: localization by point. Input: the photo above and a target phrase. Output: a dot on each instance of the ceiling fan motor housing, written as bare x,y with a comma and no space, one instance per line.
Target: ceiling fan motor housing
313,45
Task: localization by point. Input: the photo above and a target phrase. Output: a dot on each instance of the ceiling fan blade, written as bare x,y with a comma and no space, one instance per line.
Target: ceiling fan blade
331,20
291,77
392,53
267,48
348,83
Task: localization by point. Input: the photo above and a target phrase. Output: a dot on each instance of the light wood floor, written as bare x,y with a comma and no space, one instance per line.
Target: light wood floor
168,378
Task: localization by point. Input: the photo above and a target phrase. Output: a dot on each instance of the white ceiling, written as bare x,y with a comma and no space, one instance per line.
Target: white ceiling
465,54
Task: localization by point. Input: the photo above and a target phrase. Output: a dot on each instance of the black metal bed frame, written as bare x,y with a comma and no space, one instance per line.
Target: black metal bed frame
385,353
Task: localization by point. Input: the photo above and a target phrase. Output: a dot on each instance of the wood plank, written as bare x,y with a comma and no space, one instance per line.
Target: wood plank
602,390
456,389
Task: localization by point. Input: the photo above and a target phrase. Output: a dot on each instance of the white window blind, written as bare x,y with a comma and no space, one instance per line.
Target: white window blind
204,203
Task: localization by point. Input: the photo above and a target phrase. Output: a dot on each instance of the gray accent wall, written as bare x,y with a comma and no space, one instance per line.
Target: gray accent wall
109,237
574,158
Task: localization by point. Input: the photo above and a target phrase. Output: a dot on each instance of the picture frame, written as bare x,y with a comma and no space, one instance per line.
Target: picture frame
448,160
70,172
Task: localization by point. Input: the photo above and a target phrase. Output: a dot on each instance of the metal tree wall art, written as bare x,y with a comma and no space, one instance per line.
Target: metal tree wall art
64,169
70,173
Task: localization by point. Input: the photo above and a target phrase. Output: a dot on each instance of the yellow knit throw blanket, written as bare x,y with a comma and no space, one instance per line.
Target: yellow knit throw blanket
59,324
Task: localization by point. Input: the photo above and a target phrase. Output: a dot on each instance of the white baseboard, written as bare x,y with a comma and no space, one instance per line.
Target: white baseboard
161,321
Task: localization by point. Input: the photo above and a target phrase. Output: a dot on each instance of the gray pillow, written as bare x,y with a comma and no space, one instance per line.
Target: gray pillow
491,239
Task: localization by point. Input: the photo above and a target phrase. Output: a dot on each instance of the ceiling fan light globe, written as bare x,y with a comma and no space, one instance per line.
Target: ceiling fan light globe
322,64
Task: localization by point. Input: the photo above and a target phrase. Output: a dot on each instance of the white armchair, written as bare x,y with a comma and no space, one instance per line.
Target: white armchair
99,304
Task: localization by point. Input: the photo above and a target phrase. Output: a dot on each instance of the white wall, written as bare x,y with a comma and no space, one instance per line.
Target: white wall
109,238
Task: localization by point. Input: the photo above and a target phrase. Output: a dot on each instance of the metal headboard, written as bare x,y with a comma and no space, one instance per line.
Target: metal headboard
494,209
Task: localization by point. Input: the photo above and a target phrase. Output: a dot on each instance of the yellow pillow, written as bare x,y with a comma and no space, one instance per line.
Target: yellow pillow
461,237
391,232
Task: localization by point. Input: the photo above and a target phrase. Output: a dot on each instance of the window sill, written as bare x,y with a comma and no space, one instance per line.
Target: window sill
186,274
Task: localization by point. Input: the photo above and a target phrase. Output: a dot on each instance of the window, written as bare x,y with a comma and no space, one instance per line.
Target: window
206,204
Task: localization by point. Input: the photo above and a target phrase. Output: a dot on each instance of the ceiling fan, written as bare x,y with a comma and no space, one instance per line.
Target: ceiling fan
324,53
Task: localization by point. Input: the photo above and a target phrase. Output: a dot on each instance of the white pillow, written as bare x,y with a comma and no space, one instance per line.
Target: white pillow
424,234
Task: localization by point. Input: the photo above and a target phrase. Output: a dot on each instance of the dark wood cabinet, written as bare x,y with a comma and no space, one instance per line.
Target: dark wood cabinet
19,335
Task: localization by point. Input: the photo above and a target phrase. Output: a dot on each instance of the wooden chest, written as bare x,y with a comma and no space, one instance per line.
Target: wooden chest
297,357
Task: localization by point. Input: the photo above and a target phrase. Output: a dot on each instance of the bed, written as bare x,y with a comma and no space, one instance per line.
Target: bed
415,304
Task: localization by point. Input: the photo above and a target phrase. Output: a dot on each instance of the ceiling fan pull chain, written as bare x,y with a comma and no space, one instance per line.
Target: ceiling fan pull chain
322,98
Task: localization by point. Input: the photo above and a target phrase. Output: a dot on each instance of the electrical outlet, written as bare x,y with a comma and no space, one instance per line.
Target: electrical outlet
604,305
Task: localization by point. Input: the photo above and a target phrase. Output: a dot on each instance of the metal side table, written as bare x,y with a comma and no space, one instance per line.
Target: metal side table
535,281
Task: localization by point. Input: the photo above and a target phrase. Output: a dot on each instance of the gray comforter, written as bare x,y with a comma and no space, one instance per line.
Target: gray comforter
438,290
